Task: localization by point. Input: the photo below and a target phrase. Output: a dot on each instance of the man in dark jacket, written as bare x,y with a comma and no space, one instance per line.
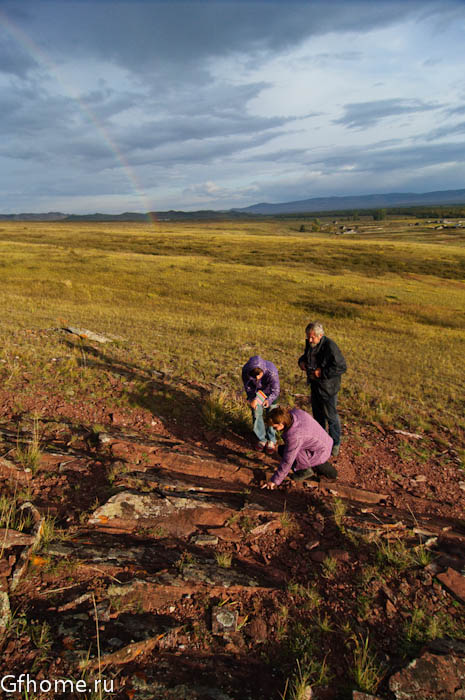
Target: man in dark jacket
261,384
324,364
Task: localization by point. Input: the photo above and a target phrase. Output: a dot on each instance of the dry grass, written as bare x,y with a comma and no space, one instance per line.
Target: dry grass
197,299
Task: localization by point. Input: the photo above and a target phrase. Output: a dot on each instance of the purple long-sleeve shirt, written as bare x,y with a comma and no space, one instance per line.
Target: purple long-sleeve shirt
306,443
268,383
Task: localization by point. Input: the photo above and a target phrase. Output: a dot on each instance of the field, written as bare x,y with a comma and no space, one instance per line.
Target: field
198,299
330,585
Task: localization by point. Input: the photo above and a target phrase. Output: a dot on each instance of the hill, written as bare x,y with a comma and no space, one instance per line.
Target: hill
368,201
314,204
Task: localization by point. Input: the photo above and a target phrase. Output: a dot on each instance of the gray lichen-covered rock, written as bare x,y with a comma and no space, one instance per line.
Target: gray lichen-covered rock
430,677
5,612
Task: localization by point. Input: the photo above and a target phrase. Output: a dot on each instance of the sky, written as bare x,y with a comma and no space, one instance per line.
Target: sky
150,105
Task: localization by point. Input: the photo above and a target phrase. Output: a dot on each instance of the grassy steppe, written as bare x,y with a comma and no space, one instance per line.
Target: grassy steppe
197,299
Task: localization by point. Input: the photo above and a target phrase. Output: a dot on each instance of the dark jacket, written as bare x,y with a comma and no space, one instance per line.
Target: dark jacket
330,360
269,382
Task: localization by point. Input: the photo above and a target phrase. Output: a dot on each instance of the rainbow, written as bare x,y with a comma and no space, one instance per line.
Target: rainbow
25,41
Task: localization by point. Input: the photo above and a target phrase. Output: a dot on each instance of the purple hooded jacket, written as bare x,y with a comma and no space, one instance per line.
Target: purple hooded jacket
269,383
305,443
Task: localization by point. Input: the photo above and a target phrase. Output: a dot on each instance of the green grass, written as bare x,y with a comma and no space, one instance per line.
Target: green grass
365,668
196,300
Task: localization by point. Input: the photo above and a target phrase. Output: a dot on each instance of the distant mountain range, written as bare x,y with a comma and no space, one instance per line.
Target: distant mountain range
303,206
365,201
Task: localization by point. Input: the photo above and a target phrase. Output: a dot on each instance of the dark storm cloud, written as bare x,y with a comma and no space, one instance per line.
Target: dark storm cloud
137,35
360,115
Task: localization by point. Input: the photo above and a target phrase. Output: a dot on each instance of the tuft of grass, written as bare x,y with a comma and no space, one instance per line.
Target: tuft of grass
223,559
339,511
29,455
50,533
395,553
298,688
221,410
312,599
365,668
329,567
324,624
287,520
421,555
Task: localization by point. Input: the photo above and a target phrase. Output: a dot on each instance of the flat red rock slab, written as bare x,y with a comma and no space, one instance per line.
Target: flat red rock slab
454,583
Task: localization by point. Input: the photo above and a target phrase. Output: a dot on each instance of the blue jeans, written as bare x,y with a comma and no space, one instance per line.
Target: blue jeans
324,409
262,431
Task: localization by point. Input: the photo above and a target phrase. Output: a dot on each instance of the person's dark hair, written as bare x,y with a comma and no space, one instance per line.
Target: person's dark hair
280,414
255,371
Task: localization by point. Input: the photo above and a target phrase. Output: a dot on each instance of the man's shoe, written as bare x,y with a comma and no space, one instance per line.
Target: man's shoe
304,475
270,448
335,450
260,446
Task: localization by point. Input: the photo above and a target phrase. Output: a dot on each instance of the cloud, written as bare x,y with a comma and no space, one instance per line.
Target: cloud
445,132
362,115
210,100
14,61
137,34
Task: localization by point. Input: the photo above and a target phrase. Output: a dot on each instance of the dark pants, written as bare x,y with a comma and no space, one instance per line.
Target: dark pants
325,469
324,409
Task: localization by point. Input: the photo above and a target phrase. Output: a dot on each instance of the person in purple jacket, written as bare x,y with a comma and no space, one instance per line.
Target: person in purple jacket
306,450
261,384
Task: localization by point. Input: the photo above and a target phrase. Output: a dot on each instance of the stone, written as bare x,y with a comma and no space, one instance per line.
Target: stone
85,334
430,677
5,611
21,564
454,583
257,630
223,620
227,534
122,656
205,540
339,554
416,436
312,544
13,538
270,526
318,556
354,494
10,471
391,609
178,515
357,695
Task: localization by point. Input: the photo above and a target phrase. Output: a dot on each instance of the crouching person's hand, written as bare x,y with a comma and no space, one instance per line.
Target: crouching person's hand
269,485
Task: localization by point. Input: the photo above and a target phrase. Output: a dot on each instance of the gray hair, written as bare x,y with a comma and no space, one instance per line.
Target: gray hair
317,326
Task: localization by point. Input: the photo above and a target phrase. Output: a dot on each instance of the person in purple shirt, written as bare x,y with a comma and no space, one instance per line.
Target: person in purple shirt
261,384
306,450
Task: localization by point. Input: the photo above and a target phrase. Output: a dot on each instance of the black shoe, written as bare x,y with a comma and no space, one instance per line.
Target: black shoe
304,475
327,470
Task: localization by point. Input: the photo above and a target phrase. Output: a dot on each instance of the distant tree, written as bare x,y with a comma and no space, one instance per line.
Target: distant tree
380,214
302,228
316,225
